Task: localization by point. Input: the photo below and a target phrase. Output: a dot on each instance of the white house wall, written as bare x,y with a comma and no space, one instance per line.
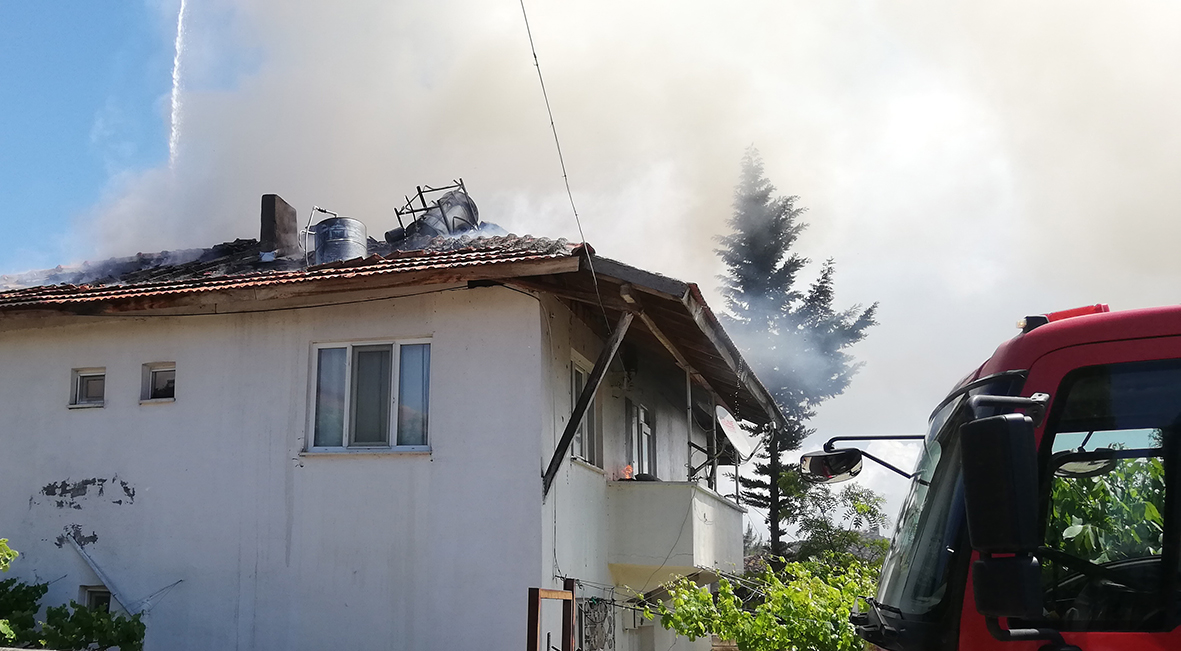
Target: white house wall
275,549
576,531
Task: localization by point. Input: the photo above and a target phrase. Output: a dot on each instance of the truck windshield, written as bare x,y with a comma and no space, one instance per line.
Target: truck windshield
916,571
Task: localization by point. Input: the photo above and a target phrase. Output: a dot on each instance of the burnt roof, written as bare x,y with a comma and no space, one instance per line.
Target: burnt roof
674,316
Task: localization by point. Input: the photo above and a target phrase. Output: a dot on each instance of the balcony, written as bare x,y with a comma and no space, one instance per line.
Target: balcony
663,529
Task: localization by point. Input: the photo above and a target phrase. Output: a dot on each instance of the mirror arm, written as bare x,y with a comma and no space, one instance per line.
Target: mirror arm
1035,405
828,447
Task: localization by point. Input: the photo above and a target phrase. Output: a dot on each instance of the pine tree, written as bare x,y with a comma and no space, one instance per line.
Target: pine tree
795,340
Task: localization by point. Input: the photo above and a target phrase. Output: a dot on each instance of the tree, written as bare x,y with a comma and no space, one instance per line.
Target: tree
843,525
794,338
803,607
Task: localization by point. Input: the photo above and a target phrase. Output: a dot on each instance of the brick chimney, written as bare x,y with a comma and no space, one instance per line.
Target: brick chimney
280,228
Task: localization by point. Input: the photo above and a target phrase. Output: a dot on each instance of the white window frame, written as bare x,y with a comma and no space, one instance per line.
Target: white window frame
642,456
580,364
146,381
76,377
395,381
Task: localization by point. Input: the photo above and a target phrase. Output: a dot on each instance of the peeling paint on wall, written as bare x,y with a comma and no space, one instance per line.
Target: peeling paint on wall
68,494
75,531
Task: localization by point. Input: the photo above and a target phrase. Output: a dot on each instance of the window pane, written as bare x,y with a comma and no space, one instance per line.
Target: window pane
99,600
414,384
648,444
1107,562
164,384
576,446
90,388
371,395
330,397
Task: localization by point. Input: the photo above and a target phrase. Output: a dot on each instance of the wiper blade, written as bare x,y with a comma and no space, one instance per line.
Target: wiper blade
871,626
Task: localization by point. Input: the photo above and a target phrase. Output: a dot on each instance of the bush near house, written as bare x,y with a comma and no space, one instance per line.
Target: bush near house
804,606
65,627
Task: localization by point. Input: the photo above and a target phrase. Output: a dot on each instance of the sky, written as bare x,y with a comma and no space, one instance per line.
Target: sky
964,164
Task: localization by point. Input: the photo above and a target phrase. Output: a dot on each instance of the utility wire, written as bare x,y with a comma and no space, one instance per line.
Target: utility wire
565,177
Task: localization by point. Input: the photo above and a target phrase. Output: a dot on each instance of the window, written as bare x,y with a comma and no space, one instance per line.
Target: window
159,382
586,444
96,597
88,387
360,402
1107,559
641,441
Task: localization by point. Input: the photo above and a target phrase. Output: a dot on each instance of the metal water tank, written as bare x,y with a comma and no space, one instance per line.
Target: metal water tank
340,238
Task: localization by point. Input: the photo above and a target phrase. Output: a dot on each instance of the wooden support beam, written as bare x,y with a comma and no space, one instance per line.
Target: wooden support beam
534,623
576,295
632,298
584,400
568,642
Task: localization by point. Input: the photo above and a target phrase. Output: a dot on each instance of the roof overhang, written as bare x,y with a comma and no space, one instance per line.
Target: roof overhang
673,317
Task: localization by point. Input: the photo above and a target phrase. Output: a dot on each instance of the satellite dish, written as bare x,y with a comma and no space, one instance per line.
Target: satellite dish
743,446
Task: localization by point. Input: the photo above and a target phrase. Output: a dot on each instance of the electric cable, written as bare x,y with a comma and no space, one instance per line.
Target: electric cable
565,177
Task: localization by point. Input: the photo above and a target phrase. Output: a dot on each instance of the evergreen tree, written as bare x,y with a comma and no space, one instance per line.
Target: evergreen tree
793,337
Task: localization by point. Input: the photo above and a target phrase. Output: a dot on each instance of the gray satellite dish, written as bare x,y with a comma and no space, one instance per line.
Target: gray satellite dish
743,446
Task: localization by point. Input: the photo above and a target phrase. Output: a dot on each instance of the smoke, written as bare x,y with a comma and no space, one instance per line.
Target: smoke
174,131
965,164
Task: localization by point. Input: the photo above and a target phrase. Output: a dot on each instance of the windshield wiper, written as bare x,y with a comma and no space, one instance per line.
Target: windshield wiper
870,624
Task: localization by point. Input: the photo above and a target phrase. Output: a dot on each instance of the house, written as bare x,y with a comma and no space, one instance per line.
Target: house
367,453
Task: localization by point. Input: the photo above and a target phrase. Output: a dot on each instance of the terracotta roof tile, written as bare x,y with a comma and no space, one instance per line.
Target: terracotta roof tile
237,265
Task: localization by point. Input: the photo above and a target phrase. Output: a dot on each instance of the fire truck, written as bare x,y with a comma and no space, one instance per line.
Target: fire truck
1043,513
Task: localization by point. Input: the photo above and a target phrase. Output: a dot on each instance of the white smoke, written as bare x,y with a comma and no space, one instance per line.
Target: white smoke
965,164
174,131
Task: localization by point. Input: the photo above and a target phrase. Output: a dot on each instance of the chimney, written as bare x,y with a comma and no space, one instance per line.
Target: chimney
280,230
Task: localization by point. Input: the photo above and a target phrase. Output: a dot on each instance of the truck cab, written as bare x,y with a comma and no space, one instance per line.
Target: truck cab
1043,512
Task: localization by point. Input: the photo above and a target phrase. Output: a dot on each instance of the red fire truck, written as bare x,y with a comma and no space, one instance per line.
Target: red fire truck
1044,512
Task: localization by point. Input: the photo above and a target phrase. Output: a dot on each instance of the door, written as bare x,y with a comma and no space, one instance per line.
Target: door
1109,462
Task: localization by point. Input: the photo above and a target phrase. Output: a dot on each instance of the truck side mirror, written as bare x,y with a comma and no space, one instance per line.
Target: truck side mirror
1000,495
826,467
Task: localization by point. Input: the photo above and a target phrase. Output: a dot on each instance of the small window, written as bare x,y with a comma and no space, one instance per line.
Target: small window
159,381
361,402
586,444
89,387
641,441
97,598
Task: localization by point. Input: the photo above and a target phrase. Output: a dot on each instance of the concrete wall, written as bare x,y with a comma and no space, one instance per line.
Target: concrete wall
279,550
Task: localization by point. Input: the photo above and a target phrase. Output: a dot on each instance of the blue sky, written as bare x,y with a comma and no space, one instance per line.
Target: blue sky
85,88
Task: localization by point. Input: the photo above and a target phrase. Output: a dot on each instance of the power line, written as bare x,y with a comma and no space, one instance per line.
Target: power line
562,162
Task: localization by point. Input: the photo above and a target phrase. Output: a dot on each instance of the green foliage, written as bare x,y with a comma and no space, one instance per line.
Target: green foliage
793,337
19,603
78,627
1112,516
835,525
72,627
752,543
7,555
803,607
